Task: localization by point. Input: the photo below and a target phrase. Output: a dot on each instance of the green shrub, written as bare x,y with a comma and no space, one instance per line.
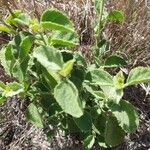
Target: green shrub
64,90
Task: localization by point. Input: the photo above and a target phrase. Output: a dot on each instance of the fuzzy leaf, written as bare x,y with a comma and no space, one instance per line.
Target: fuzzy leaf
25,46
4,28
23,19
2,86
84,122
2,99
7,58
67,68
138,75
114,135
50,58
67,97
115,61
119,80
116,16
89,142
126,115
112,93
11,17
80,60
63,39
101,77
54,19
17,71
13,89
33,115
96,94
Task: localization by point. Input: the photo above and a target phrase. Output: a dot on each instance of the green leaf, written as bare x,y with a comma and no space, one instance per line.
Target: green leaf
126,115
119,80
13,89
2,99
17,71
78,76
35,25
23,19
96,94
49,79
114,135
25,47
67,55
7,58
80,60
138,75
116,16
63,39
34,116
100,124
2,86
84,122
67,97
50,58
62,43
102,43
4,28
67,68
101,141
89,142
10,18
54,19
112,94
101,77
99,94
115,61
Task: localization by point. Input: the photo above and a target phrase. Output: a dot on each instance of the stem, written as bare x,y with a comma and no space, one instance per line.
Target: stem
100,20
43,38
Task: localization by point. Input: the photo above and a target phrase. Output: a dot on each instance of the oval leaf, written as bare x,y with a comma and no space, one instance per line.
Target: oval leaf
2,100
67,68
126,115
67,97
116,16
2,86
101,77
7,58
119,80
63,39
33,115
25,46
4,28
84,122
13,89
89,142
54,19
50,58
114,135
23,19
112,93
115,61
138,75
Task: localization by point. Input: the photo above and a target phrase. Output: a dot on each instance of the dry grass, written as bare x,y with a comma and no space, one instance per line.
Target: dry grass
132,37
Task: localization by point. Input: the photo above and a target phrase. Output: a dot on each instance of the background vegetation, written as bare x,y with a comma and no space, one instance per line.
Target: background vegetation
131,39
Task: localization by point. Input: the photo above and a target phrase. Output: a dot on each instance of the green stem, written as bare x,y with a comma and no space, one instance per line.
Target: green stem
43,38
100,20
